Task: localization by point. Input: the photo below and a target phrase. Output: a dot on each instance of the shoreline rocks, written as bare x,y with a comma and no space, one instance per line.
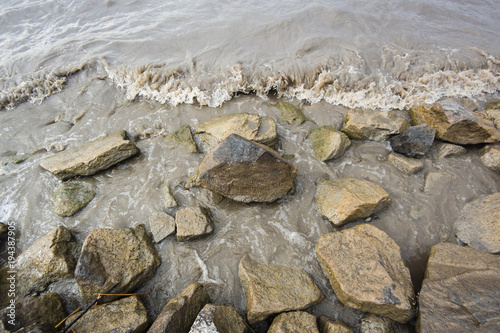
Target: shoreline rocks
71,196
296,321
219,319
490,156
374,125
404,164
328,143
192,223
414,142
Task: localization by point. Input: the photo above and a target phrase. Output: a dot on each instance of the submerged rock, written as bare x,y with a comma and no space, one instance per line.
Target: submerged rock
479,223
296,321
328,143
192,223
327,325
460,291
271,289
291,114
414,142
180,312
125,257
366,271
246,171
71,196
16,159
90,158
404,164
490,156
348,199
219,319
374,125
448,150
168,198
162,225
184,137
437,180
377,324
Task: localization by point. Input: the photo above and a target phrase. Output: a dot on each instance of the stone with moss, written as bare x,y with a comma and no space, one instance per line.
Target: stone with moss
16,159
291,114
71,196
328,143
184,137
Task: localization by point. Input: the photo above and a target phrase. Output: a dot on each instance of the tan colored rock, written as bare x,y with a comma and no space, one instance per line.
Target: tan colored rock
348,199
162,225
328,143
405,164
366,271
376,324
291,114
168,198
327,325
448,150
479,223
493,114
374,125
192,223
271,288
71,196
490,156
184,137
296,321
437,180
180,312
3,228
219,319
460,291
92,157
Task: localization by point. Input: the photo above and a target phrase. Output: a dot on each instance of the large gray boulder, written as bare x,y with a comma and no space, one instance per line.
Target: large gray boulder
92,157
296,321
71,196
374,125
219,319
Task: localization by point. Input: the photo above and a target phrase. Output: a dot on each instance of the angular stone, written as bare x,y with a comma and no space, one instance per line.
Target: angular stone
460,291
377,324
192,223
3,228
296,321
184,137
291,114
348,199
374,125
92,157
328,143
125,257
436,181
456,124
366,271
124,315
326,325
180,312
71,196
246,171
168,198
404,164
249,126
414,142
448,150
479,223
219,319
490,156
162,225
271,289
493,115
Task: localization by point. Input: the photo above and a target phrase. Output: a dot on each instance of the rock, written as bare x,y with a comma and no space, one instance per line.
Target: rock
71,196
326,325
219,319
490,156
271,289
493,105
454,123
374,125
3,228
168,198
296,321
46,310
460,291
48,260
366,271
493,115
180,312
162,225
250,126
404,164
125,257
184,137
246,171
90,158
16,159
291,114
377,324
192,223
436,181
479,223
348,199
448,150
328,143
124,315
414,142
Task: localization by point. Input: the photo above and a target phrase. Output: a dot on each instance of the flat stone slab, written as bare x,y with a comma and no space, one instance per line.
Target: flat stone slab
162,225
71,196
90,158
449,150
374,125
405,164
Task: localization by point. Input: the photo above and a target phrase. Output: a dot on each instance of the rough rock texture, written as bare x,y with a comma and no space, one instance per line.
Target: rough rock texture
479,224
271,289
404,164
366,271
347,199
377,324
168,198
328,143
246,171
291,114
184,137
460,292
250,126
192,223
374,125
455,124
92,157
162,225
448,150
437,180
71,196
3,228
180,312
48,260
125,257
490,156
46,310
414,142
296,321
219,319
125,315
327,325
